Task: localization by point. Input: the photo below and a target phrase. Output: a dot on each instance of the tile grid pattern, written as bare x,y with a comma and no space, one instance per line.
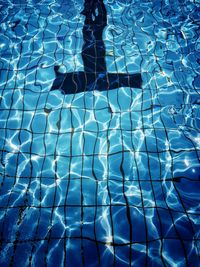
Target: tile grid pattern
93,174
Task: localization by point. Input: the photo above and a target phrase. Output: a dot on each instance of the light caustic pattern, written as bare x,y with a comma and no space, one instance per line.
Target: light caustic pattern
100,178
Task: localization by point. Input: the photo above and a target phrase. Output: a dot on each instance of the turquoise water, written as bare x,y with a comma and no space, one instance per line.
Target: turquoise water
100,178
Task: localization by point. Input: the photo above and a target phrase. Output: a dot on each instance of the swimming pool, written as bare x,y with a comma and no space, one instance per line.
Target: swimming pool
99,177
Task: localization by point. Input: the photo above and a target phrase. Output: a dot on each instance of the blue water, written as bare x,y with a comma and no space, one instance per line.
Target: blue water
100,178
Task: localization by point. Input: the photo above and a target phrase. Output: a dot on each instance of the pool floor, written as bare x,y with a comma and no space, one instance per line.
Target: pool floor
100,175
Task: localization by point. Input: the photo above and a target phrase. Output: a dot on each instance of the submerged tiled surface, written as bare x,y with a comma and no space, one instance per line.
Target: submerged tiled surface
100,179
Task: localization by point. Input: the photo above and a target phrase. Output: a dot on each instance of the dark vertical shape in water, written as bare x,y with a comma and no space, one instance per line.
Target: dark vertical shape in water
93,53
95,75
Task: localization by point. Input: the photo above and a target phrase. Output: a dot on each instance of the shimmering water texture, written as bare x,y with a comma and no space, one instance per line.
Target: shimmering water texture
99,177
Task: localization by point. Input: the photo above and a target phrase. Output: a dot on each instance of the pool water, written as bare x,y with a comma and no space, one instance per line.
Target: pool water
100,177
